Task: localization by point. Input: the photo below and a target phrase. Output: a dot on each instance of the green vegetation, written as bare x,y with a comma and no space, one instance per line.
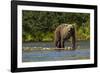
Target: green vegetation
40,25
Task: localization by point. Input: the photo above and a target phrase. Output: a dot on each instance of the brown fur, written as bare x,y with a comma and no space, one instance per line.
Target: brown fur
64,32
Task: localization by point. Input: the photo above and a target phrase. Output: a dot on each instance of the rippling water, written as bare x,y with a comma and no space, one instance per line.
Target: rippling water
83,52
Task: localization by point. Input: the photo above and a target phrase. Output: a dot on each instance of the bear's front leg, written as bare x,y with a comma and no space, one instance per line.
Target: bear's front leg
62,43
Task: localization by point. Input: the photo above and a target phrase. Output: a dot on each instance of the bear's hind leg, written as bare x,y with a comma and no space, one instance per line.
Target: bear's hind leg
59,45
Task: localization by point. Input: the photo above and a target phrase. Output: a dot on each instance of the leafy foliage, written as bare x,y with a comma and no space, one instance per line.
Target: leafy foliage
40,25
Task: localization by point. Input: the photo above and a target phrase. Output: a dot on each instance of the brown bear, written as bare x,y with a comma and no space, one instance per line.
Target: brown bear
64,32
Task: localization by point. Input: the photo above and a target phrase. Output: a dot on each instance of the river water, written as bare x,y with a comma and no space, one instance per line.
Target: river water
81,53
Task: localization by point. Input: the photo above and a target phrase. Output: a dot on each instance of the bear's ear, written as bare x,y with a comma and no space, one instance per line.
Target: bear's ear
66,25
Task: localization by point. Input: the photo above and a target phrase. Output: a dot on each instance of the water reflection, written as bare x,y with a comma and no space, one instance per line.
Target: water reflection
54,55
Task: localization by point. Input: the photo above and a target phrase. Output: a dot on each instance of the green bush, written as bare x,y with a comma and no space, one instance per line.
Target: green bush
40,25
